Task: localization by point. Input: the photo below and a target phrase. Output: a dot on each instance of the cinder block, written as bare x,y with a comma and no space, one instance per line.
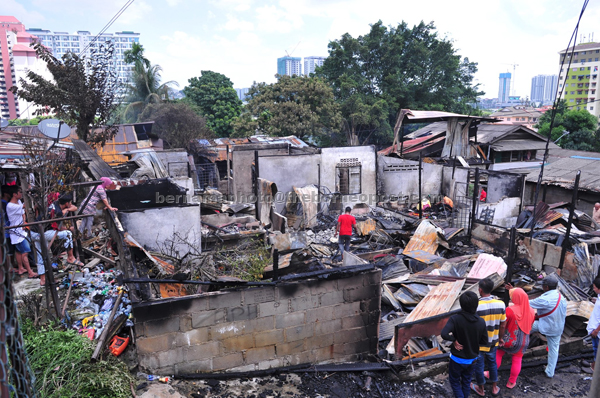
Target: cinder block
185,323
357,347
227,330
259,324
161,326
319,314
298,333
362,293
208,318
351,282
228,361
320,286
304,303
291,290
268,338
300,358
256,355
273,308
225,300
170,357
151,312
189,305
245,368
289,320
323,354
149,345
371,305
193,367
259,295
331,298
201,352
295,347
355,321
373,277
319,341
350,336
239,343
273,363
346,310
242,313
193,337
328,327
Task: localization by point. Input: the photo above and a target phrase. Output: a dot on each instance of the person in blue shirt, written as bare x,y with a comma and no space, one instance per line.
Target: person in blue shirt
551,314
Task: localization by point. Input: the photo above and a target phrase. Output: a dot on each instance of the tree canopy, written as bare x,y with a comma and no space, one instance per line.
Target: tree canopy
176,123
81,93
217,100
390,68
299,105
582,127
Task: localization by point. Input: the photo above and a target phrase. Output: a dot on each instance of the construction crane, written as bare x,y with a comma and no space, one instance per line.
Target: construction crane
512,80
290,54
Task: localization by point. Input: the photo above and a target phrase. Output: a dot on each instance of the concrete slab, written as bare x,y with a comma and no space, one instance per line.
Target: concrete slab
25,286
161,391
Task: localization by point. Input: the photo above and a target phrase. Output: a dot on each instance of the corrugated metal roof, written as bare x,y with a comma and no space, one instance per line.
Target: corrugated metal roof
439,300
562,173
426,238
486,265
520,145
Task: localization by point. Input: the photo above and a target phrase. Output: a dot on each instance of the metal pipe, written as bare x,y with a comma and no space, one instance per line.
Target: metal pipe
565,243
420,199
228,173
475,201
256,185
275,264
510,261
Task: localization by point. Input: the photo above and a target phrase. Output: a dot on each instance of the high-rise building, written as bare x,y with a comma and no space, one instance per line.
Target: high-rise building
310,64
241,93
289,66
543,89
83,43
580,82
504,90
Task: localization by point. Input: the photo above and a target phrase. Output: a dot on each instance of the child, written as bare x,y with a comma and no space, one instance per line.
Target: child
18,237
593,326
467,331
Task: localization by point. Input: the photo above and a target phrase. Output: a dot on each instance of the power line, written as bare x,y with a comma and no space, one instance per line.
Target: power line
108,25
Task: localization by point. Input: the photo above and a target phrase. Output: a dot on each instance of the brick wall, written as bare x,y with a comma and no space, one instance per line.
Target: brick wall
309,321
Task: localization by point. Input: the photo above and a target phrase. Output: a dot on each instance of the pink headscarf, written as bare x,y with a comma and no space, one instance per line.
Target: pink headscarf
106,182
523,312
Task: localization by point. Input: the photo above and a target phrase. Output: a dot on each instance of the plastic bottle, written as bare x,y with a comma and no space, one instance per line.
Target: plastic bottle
153,377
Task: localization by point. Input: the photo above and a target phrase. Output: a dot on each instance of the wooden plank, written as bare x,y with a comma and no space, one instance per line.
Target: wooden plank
100,256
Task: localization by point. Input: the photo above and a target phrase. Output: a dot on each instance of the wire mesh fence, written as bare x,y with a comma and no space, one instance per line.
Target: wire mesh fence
16,377
208,175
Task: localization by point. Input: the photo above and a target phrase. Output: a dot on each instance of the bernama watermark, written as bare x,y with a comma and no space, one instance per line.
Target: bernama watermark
285,197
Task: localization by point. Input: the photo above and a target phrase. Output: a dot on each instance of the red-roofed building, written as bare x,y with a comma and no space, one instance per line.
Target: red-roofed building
18,57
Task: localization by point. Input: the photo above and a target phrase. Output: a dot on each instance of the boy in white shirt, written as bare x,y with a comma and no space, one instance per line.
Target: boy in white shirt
18,236
593,326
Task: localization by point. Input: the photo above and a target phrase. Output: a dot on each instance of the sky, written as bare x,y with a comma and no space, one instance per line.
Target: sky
242,39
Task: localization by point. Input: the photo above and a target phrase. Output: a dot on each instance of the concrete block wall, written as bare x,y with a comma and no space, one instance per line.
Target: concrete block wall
308,321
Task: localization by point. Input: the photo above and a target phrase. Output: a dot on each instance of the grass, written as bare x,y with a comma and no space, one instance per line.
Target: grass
61,362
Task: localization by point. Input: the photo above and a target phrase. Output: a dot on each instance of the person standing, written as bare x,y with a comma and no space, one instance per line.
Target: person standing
90,209
593,326
493,312
18,237
467,331
345,224
551,314
596,213
519,320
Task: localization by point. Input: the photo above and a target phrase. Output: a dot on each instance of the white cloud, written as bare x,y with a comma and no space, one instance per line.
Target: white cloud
173,3
12,8
235,24
234,5
273,19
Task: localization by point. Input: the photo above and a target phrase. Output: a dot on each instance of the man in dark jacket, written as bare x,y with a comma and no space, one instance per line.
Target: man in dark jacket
467,331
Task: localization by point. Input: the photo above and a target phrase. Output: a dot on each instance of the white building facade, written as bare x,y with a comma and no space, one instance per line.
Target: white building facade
311,63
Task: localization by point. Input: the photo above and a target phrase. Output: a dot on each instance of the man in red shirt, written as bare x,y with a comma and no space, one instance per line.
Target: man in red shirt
344,228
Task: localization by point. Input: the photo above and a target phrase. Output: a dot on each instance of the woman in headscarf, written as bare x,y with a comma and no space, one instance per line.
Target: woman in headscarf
90,209
519,319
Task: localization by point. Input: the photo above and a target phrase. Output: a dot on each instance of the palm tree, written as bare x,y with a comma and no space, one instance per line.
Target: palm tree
144,85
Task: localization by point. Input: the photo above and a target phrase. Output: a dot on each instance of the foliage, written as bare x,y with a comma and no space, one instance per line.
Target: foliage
248,261
299,105
375,75
82,91
176,123
218,102
144,86
582,126
61,362
29,122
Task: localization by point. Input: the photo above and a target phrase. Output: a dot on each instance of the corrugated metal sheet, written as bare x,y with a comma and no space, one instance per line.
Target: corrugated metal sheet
486,265
438,301
519,145
426,237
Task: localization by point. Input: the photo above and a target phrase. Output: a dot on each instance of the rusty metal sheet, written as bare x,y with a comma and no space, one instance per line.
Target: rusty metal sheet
438,301
486,265
164,266
425,257
365,227
547,218
172,290
427,237
422,328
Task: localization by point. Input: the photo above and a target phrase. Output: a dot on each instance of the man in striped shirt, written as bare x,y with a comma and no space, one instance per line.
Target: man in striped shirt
493,312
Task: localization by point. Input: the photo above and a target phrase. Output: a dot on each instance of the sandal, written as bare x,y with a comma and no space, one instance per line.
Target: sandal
497,393
34,275
77,263
474,389
510,385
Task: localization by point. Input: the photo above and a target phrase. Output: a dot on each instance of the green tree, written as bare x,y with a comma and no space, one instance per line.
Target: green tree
390,68
218,102
82,91
299,105
176,123
144,86
582,127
